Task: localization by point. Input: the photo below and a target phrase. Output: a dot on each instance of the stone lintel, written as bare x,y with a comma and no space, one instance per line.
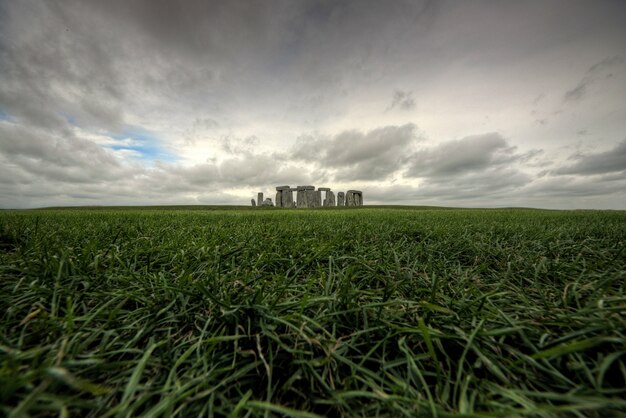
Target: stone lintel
306,187
354,191
324,189
281,188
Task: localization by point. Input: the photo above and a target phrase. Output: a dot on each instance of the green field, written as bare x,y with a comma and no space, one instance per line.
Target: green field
332,312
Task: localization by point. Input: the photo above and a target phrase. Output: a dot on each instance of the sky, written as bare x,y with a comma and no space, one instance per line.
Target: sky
452,103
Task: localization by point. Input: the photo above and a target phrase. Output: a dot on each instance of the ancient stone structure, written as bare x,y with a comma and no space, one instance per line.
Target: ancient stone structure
308,197
330,199
284,197
354,198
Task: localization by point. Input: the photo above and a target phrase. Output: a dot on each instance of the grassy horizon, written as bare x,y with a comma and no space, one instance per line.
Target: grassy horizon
403,311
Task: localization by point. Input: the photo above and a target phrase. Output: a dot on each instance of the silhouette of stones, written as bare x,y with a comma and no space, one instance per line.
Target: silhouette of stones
340,199
308,197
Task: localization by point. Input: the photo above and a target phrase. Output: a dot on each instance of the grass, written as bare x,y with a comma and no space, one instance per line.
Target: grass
362,312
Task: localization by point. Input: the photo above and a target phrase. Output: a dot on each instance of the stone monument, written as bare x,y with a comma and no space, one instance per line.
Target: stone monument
309,197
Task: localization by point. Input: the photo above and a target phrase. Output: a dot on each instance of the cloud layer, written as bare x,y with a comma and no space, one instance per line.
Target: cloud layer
437,102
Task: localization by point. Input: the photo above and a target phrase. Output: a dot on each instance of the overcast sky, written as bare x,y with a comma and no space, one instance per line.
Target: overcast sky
454,103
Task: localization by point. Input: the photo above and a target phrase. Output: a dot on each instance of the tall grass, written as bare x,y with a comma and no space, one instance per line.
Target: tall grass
362,312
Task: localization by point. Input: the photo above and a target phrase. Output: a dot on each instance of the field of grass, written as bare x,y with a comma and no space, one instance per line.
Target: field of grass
329,312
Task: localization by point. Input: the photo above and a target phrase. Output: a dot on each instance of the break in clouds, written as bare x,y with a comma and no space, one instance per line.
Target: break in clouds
418,102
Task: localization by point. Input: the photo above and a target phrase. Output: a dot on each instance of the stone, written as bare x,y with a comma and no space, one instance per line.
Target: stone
330,199
354,198
350,198
306,187
287,198
279,199
267,202
253,202
309,198
324,189
318,199
281,188
259,199
340,199
300,197
294,205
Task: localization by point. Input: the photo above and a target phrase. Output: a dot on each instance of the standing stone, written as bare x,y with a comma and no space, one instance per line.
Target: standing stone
349,198
310,198
340,199
330,199
300,197
306,196
353,198
253,202
287,198
279,199
318,199
268,202
259,199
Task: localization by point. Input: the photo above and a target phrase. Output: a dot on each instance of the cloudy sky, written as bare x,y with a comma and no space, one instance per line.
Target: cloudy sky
455,103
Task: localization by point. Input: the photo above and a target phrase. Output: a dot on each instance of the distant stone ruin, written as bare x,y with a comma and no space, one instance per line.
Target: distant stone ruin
308,197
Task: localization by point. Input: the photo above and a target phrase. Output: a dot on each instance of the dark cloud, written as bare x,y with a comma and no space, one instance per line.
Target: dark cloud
594,73
469,154
357,155
610,161
494,184
569,188
402,100
66,157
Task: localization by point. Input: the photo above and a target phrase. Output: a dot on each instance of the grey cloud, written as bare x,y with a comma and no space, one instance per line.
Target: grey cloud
402,100
57,157
51,61
572,187
599,163
472,153
499,184
357,155
593,74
